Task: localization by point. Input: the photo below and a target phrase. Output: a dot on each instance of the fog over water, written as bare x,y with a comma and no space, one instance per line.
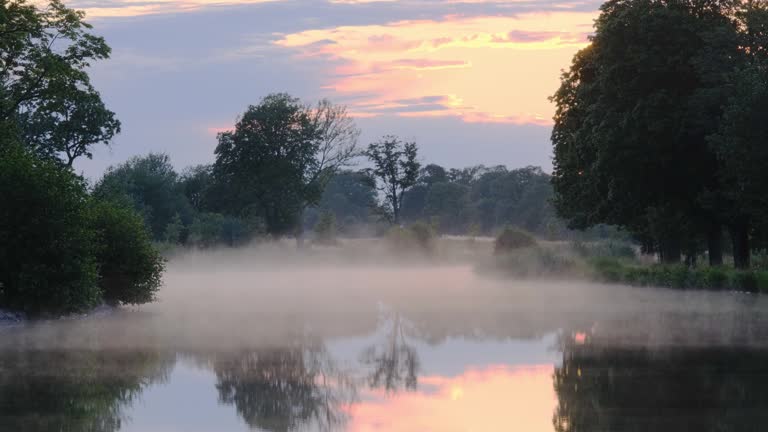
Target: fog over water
270,338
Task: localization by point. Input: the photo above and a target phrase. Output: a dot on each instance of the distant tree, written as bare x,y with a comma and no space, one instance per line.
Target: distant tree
280,156
44,86
396,169
449,202
350,196
151,186
432,174
196,184
325,229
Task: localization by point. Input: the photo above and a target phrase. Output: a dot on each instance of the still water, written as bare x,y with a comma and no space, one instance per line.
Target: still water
235,347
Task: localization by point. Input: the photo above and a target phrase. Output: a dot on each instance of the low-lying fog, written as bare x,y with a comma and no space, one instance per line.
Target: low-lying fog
267,295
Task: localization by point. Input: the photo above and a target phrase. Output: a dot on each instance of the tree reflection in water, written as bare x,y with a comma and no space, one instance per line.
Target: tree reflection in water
618,389
73,390
395,363
287,388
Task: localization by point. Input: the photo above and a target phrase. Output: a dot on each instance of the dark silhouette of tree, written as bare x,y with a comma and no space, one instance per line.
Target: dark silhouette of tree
44,87
396,169
279,158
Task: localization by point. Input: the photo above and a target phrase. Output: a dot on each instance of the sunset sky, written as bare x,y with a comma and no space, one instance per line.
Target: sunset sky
468,80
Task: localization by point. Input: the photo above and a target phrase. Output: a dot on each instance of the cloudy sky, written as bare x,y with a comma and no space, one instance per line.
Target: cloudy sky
467,79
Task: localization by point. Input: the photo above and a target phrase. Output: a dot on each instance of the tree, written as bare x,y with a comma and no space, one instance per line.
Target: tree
396,169
642,98
47,248
68,125
130,268
350,196
279,157
151,186
44,86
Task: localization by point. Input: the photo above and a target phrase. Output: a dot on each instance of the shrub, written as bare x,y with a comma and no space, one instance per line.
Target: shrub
47,262
536,262
325,229
417,237
130,268
511,239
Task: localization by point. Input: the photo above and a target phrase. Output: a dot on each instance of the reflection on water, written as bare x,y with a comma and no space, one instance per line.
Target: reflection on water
376,354
610,388
395,362
284,389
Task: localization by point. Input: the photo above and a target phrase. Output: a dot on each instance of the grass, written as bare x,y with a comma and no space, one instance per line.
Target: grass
680,277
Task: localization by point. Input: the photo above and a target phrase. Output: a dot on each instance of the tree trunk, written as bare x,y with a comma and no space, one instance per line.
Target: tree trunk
670,251
299,230
740,239
715,245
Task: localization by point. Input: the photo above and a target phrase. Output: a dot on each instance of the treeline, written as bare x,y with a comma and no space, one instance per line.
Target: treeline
186,208
477,200
661,128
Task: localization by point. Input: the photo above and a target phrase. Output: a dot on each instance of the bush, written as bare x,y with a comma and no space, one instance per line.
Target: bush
417,237
511,239
47,260
130,268
535,262
681,277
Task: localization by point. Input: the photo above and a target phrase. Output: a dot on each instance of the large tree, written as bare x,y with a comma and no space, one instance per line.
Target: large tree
46,96
396,168
633,115
279,157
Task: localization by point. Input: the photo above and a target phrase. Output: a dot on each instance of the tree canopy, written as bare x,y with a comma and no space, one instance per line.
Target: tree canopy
636,115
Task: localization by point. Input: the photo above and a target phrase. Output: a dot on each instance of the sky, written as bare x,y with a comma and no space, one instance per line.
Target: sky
468,80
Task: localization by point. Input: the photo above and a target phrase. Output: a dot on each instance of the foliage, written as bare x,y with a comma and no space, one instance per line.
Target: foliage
44,86
279,157
676,89
325,229
350,196
47,260
210,229
395,168
418,237
130,268
151,186
534,262
680,276
512,238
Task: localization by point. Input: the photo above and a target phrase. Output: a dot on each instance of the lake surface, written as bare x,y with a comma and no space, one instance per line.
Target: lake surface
237,346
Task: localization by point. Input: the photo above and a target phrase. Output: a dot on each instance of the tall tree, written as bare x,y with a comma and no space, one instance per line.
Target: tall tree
279,157
642,98
44,85
396,169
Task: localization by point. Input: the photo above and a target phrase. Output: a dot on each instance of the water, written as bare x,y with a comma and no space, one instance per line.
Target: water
237,346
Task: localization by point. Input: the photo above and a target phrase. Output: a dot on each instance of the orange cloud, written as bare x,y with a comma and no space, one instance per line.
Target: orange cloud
493,69
496,398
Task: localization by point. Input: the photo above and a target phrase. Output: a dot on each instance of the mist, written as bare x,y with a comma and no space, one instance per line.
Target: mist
272,294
